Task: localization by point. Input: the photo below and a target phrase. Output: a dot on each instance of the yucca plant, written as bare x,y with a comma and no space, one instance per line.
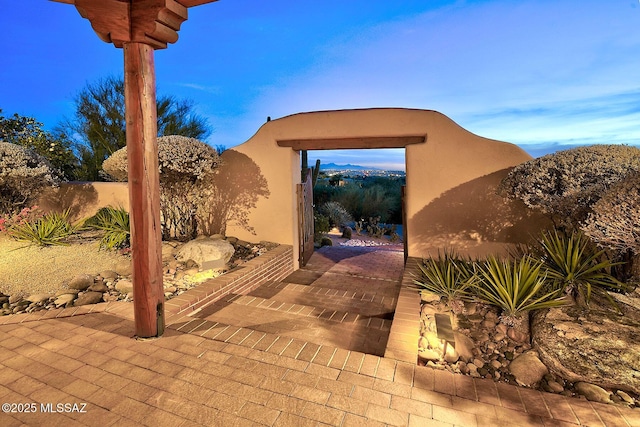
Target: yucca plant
51,229
574,265
516,287
115,224
448,276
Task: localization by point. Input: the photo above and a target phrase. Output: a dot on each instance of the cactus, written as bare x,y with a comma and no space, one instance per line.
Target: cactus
315,172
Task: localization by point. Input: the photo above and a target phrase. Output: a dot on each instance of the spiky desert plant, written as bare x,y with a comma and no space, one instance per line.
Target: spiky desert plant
114,222
575,266
448,276
51,229
514,286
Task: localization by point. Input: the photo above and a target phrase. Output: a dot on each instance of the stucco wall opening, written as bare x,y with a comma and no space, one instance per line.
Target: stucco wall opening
451,178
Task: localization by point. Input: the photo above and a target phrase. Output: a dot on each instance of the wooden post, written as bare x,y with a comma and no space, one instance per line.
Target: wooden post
144,188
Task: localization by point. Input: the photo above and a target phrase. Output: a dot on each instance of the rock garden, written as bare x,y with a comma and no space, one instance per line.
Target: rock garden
562,313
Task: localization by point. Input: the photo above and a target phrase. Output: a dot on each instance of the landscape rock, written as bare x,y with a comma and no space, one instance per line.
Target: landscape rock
64,299
528,369
124,286
88,298
593,393
36,298
108,274
98,287
81,282
602,348
464,346
66,291
124,268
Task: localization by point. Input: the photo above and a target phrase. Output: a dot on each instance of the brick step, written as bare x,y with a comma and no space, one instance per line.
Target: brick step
281,345
350,283
351,332
362,303
380,319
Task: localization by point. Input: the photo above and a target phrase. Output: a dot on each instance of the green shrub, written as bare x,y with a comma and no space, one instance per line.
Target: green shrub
51,229
565,185
326,241
514,286
115,224
574,265
185,166
320,226
23,176
337,214
447,276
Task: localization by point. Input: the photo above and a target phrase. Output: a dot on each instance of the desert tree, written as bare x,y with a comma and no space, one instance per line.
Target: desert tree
98,129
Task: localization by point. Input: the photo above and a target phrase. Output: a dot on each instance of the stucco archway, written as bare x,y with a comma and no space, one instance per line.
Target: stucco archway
451,177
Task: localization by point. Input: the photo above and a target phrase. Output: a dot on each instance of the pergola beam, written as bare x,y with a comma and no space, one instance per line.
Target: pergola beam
139,27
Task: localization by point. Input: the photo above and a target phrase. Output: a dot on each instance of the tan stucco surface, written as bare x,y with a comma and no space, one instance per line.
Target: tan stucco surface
85,198
452,176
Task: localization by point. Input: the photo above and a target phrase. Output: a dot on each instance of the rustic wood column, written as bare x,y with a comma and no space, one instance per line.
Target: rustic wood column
144,188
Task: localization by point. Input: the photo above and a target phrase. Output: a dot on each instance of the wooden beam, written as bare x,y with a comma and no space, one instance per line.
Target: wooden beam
144,189
352,143
191,3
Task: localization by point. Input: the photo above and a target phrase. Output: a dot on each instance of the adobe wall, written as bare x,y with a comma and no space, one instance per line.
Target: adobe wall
84,198
451,181
451,178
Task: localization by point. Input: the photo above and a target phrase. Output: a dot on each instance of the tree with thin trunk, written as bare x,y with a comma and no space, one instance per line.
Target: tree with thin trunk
97,128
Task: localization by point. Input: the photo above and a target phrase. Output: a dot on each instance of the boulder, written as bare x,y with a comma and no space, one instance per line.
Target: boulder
528,369
602,348
88,298
81,282
593,393
207,253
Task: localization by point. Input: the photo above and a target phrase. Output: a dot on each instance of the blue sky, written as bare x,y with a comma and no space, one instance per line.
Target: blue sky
544,74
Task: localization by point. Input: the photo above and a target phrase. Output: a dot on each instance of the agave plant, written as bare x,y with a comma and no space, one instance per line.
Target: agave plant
514,286
575,265
115,224
447,276
51,229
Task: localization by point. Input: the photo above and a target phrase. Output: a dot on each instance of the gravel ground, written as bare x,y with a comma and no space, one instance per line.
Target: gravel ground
28,270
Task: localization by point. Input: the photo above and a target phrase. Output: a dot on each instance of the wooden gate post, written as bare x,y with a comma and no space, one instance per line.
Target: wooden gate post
144,188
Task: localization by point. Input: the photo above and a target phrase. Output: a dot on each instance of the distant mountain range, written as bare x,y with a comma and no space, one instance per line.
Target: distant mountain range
333,166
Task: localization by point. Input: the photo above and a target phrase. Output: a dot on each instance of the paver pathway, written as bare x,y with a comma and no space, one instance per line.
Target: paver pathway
86,358
343,298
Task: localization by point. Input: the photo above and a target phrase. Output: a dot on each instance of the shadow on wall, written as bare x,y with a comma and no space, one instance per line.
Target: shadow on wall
474,220
76,197
236,188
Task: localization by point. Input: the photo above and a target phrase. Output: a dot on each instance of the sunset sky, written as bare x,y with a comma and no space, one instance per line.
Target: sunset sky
543,74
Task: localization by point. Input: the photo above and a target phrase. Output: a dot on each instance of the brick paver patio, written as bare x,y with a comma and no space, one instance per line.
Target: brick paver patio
242,362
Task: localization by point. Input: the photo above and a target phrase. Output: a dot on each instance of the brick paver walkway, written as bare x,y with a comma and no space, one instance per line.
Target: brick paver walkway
205,372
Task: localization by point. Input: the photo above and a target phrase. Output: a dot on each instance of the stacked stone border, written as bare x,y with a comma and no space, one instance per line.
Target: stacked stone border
273,265
402,344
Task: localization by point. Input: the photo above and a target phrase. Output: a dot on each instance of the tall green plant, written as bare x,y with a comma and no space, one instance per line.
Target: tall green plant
115,224
514,286
575,265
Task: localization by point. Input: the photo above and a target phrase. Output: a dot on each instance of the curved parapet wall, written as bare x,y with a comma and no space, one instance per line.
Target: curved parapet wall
452,175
